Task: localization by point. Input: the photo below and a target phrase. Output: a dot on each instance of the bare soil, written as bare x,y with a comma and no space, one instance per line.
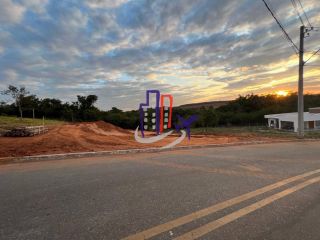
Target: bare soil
95,136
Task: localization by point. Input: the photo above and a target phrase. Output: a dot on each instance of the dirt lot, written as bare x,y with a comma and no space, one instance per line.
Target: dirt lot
97,136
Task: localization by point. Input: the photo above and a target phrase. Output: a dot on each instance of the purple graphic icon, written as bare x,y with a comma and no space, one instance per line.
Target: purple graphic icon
186,123
161,117
143,110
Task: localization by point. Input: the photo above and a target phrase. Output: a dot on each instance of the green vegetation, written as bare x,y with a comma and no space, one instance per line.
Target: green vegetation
256,131
249,110
7,122
246,110
18,94
243,131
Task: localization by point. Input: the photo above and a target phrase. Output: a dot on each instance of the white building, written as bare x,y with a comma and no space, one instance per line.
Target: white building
289,121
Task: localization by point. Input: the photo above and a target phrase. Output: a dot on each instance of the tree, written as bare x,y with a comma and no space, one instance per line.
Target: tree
86,102
87,110
17,94
209,117
30,102
115,110
51,108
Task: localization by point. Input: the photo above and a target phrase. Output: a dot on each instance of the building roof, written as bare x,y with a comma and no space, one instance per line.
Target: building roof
291,117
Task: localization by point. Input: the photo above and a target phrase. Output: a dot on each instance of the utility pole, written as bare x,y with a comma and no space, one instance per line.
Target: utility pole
300,85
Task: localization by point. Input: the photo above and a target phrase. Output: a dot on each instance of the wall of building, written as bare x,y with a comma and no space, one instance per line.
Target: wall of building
314,110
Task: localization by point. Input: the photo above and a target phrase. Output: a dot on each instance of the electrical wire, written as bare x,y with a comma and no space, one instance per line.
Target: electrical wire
294,4
304,13
295,48
312,55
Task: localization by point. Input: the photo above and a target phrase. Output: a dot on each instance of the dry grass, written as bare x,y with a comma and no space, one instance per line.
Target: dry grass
257,131
7,122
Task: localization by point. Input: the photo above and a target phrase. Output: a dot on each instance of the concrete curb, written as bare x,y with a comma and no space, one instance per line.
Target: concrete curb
62,156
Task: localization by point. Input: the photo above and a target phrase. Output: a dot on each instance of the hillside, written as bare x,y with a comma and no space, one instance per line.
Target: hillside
214,104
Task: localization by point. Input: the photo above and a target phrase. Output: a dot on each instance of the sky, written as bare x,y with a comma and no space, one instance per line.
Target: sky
196,50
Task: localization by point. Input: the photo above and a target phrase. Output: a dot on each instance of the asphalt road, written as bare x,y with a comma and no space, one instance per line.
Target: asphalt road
269,191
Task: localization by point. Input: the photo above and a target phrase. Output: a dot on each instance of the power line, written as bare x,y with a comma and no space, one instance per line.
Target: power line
310,52
294,4
312,55
304,13
295,48
285,34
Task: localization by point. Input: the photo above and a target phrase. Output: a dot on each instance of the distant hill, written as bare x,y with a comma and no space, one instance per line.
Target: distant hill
214,104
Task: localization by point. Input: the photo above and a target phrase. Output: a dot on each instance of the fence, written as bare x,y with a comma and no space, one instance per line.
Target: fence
25,131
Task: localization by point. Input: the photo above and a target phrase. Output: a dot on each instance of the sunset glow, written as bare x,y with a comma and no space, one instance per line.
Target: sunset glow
116,49
282,93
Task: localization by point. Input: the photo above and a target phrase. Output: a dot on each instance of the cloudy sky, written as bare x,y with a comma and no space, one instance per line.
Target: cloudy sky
197,50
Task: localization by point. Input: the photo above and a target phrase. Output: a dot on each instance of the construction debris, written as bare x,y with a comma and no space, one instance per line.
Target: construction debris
26,131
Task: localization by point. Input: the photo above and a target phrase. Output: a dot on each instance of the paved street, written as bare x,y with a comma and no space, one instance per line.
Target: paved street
269,191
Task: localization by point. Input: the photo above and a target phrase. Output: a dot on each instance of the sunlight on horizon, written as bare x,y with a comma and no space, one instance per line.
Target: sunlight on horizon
282,93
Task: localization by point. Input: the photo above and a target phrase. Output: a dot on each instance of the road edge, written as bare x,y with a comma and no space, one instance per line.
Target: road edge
62,156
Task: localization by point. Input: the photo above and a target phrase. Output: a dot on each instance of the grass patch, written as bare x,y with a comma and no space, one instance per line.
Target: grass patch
258,131
7,122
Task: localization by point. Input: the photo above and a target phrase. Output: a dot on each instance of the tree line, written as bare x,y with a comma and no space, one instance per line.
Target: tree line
249,110
246,110
29,105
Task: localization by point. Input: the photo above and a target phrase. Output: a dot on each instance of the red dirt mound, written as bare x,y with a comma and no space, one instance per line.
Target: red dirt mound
110,127
89,136
93,136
